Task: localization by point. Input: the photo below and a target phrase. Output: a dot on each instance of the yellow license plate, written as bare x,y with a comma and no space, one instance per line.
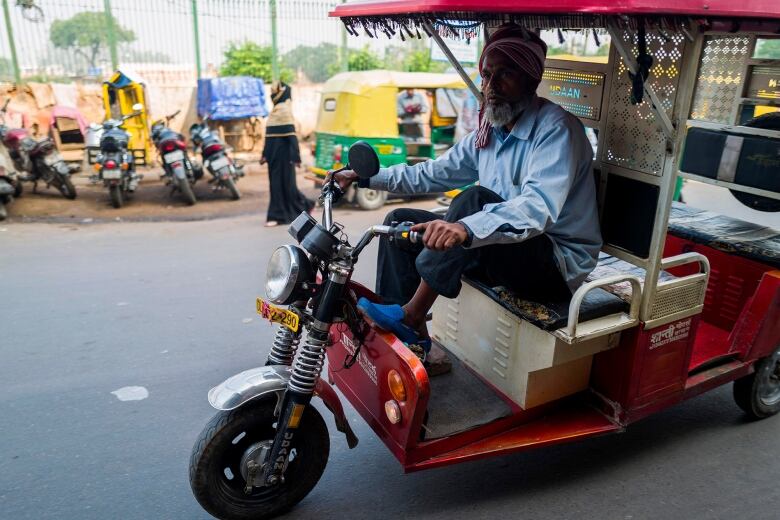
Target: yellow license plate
275,314
385,149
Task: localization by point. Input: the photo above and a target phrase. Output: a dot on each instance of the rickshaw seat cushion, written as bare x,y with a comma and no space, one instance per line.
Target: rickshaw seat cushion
727,234
730,157
552,315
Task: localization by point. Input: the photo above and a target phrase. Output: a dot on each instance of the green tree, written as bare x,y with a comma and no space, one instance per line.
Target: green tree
317,62
768,49
86,34
251,59
364,59
420,61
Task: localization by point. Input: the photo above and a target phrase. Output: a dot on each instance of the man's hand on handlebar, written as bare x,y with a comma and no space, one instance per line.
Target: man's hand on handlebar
343,179
440,235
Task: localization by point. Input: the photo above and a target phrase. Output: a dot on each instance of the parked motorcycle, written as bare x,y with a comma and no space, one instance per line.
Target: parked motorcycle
114,163
267,446
178,170
40,160
224,170
10,183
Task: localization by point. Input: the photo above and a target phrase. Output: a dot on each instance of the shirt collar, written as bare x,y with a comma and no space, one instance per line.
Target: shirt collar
525,123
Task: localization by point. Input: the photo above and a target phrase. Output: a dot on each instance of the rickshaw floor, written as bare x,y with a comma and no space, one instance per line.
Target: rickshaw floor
460,401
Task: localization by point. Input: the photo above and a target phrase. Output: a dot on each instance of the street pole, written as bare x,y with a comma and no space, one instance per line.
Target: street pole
274,43
12,44
111,33
343,52
196,34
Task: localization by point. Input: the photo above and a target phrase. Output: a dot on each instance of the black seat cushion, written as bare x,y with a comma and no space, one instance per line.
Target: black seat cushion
552,315
731,235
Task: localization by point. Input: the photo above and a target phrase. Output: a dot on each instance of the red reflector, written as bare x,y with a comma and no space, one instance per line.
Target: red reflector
168,147
110,165
176,165
213,148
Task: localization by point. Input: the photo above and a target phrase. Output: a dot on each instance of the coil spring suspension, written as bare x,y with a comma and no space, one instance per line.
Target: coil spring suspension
284,347
309,362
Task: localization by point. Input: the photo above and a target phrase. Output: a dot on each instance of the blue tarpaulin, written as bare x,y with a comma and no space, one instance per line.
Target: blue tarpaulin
234,97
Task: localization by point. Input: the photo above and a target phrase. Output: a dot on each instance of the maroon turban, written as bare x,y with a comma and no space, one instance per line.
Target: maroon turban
525,49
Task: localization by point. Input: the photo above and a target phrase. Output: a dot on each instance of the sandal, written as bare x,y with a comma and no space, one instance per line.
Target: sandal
390,318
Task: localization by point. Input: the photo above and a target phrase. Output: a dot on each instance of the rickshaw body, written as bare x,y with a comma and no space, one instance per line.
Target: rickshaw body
120,93
682,301
361,105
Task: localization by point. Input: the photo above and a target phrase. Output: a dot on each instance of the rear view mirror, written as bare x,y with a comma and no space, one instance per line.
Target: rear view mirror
137,107
363,160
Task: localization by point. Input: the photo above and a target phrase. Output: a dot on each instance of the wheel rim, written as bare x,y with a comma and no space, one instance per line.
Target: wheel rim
769,381
370,195
232,470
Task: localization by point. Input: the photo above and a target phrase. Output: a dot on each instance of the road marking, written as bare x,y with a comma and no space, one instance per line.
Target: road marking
131,393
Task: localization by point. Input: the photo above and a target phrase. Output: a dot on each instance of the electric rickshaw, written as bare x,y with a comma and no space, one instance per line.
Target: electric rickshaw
362,106
682,300
120,94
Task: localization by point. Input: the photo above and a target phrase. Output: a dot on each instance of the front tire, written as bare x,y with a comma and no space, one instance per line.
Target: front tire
186,190
758,394
216,473
115,193
369,199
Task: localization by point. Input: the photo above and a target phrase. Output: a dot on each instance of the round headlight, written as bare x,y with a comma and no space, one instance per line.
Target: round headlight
288,269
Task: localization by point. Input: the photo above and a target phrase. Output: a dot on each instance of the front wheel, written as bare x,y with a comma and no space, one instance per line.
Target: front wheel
115,192
219,462
186,190
230,184
66,187
758,394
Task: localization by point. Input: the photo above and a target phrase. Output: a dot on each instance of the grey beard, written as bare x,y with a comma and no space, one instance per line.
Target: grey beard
501,114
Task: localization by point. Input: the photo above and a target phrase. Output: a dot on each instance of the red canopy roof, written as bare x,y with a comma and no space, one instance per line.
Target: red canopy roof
767,9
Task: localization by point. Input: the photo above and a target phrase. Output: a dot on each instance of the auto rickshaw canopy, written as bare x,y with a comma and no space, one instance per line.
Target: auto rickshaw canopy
363,104
120,93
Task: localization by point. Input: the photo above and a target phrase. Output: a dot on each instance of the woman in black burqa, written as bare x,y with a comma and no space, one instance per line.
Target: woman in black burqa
282,155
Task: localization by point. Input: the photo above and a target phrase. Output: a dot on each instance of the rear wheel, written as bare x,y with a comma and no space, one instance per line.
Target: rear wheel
66,187
186,190
758,394
115,192
219,462
369,199
18,188
230,184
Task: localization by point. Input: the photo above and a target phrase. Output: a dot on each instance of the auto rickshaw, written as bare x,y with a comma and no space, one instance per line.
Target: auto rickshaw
362,106
120,94
682,301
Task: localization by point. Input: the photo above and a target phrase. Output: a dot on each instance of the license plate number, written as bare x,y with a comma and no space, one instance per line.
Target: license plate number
219,163
112,174
275,314
172,157
385,149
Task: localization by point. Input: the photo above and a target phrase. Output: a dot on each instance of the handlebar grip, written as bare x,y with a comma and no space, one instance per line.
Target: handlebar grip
415,237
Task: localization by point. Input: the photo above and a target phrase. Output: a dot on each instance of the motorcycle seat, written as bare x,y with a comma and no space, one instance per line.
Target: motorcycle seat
730,235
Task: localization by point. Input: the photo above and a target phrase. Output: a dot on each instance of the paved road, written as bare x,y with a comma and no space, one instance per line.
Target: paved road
90,309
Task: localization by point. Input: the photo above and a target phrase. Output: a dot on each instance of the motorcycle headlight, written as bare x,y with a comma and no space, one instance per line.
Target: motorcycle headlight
288,269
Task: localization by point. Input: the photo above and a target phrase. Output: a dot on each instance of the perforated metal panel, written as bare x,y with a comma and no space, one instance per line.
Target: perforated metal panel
720,75
671,300
634,139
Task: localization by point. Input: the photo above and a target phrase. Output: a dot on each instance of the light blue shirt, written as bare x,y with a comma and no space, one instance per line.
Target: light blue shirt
542,168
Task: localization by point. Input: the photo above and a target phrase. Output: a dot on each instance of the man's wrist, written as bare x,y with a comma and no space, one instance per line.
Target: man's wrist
469,235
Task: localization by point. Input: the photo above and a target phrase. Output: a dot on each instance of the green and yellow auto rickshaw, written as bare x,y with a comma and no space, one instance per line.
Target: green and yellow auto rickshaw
120,94
362,105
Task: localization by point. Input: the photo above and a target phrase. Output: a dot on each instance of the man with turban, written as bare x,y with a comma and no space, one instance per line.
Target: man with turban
532,223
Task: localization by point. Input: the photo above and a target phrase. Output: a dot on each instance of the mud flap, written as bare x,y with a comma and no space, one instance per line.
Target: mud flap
333,403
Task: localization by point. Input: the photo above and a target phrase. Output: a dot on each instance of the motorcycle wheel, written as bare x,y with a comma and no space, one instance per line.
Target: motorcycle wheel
216,474
186,190
758,394
66,187
115,193
18,189
230,184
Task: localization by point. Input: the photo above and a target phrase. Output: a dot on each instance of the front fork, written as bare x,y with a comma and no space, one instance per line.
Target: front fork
307,367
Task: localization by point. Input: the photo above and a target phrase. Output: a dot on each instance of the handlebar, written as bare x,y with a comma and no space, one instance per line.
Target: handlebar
5,105
168,118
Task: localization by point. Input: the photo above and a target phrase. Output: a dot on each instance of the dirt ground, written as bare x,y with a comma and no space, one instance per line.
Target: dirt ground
152,200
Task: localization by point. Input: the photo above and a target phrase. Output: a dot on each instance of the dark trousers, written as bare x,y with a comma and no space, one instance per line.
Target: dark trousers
527,268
